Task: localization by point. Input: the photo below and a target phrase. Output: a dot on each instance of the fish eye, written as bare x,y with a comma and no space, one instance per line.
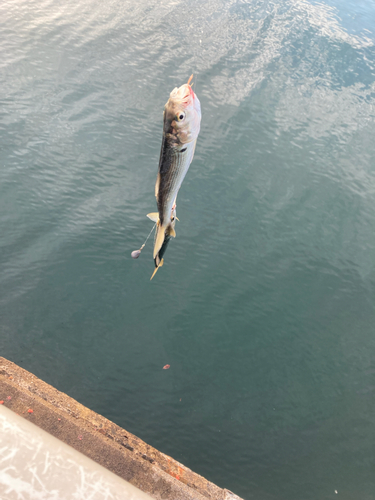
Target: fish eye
180,116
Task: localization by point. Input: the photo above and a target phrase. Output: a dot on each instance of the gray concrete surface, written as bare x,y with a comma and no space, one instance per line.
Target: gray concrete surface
36,465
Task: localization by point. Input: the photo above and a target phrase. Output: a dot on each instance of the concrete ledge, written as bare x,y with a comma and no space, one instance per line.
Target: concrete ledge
36,465
101,440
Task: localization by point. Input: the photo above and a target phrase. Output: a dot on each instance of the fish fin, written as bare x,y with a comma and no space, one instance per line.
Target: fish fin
155,271
154,216
159,239
157,185
157,261
178,219
156,268
172,232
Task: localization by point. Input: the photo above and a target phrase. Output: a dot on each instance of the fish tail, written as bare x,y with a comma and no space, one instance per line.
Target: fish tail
159,238
156,268
160,232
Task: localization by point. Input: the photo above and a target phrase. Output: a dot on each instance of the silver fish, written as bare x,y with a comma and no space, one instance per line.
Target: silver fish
182,117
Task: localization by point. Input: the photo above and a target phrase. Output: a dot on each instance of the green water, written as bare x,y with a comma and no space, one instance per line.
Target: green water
265,307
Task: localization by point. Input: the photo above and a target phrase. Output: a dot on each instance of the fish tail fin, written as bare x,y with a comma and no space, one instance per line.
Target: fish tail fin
156,268
159,238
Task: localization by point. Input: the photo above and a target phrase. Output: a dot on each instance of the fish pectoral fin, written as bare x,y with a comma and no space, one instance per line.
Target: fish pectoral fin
154,216
156,268
172,232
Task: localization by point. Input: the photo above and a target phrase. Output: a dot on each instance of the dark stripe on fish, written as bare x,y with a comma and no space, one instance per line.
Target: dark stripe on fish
169,167
161,252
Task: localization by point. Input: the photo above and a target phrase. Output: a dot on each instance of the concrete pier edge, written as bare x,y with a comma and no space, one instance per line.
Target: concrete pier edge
116,449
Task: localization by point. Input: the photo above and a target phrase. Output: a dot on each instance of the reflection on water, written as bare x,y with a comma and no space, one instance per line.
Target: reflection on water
265,309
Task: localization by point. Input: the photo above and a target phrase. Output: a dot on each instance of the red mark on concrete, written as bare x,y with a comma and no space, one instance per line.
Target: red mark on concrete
173,474
30,410
80,438
59,419
179,474
165,367
9,397
1,402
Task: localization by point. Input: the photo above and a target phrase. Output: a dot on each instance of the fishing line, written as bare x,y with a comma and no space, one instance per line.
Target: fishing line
136,253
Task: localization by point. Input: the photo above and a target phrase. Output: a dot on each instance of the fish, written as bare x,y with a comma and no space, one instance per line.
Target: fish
181,126
159,258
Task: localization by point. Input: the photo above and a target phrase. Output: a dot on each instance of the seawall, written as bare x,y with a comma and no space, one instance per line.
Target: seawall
101,440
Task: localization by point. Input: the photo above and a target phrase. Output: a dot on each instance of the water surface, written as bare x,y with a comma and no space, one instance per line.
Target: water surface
265,307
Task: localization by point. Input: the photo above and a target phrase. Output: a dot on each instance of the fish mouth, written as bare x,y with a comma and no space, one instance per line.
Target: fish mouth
189,86
183,95
188,96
